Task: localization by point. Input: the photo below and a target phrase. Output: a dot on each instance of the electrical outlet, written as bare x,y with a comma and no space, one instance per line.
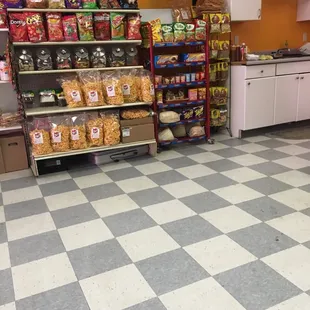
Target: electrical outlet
305,37
236,40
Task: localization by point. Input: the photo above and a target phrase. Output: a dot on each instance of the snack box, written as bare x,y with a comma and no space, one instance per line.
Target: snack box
192,57
166,59
192,94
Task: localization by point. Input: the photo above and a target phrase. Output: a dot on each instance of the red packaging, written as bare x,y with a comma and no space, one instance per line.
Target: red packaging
133,27
3,19
102,26
70,28
54,27
35,27
18,27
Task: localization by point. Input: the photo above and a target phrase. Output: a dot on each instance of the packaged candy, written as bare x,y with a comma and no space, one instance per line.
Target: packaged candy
179,32
73,4
89,4
215,21
70,28
12,4
85,23
192,94
131,55
114,4
98,58
36,4
224,50
167,30
117,26
81,58
214,47
63,59
56,4
35,27
44,59
25,61
18,27
129,4
190,33
117,58
54,27
187,114
133,27
156,30
102,26
200,30
3,19
225,23
198,111
103,4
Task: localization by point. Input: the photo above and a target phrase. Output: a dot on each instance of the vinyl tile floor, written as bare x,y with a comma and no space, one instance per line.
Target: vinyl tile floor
199,227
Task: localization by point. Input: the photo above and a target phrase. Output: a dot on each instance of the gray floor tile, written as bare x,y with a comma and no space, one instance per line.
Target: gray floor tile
262,240
214,181
205,202
271,154
74,215
98,258
305,188
58,187
265,208
6,287
223,165
305,170
307,212
3,234
141,160
124,174
229,152
26,208
35,247
180,162
272,143
170,271
17,183
83,171
167,177
268,186
269,168
256,286
191,230
102,191
234,142
1,200
128,222
66,297
190,150
305,144
150,196
305,156
151,304
307,244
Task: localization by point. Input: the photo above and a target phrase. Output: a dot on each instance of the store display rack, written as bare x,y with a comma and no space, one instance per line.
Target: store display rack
76,10
77,43
189,121
180,104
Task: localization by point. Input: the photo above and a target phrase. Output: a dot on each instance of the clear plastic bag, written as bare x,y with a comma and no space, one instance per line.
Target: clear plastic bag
111,127
36,4
94,130
147,91
60,133
196,131
129,86
91,87
56,4
72,91
112,88
78,132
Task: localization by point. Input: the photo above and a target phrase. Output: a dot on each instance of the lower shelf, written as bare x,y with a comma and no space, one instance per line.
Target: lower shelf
182,140
188,121
13,128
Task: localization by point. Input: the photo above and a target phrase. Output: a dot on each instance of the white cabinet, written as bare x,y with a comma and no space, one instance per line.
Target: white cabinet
286,98
303,105
303,10
259,103
241,10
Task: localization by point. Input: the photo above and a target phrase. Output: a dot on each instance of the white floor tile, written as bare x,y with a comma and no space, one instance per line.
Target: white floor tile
205,157
114,205
87,233
114,166
230,219
42,275
195,171
251,148
300,302
293,162
116,289
248,160
257,139
10,306
237,193
202,295
213,147
153,168
219,254
4,256
292,150
53,177
2,216
293,178
243,174
222,136
291,141
294,198
136,184
167,155
293,264
184,188
16,175
29,226
295,225
168,211
147,243
22,194
92,180
65,200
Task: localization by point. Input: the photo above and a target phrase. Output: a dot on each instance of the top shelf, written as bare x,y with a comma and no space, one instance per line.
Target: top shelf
173,44
75,10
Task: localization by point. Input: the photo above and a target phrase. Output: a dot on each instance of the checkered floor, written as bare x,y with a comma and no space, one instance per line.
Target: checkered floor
203,227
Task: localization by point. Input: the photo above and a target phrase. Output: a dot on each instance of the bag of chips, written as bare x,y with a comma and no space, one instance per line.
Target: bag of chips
103,4
94,130
112,88
89,4
111,127
114,4
36,4
117,26
54,27
179,32
215,23
70,28
60,133
190,33
167,30
12,4
78,132
133,27
156,30
225,23
3,19
56,4
85,23
129,86
73,4
200,30
102,26
146,87
18,27
72,91
35,27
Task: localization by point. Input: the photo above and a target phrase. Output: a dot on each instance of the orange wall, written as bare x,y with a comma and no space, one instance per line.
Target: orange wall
160,4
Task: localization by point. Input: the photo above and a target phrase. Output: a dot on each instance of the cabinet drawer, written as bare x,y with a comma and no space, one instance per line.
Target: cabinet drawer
293,67
254,72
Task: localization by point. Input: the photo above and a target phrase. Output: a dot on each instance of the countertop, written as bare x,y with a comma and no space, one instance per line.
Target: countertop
268,62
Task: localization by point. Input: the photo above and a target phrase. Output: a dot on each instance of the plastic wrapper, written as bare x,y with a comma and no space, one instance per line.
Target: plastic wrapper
111,128
129,86
129,4
10,119
18,27
133,27
25,61
56,4
40,137
63,59
168,117
200,30
98,58
165,135
73,4
3,23
224,50
72,91
134,113
54,27
47,97
85,23
117,58
94,130
70,28
102,26
81,58
103,4
36,4
179,131
89,4
214,49
112,88
167,31
12,4
190,33
179,32
60,133
114,4
91,87
156,30
196,131
182,14
131,54
225,23
147,91
78,132
215,23
44,59
117,26
35,27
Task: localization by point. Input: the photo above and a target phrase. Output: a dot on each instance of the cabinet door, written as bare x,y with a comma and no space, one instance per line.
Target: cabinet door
245,9
286,98
259,109
303,106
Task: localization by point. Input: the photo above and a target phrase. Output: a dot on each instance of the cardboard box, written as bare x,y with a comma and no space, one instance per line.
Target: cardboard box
14,153
2,169
139,121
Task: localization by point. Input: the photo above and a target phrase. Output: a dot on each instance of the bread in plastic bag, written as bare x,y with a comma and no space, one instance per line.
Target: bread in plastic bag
179,131
196,131
60,133
94,130
78,132
112,88
129,86
165,135
111,127
168,117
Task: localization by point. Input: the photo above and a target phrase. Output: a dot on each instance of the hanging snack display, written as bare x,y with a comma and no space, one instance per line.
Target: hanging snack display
25,61
44,59
69,23
72,91
98,58
63,59
81,58
117,57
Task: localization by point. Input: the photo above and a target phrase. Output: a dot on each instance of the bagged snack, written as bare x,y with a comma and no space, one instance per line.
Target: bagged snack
190,33
187,114
135,113
44,59
198,111
215,114
103,4
156,30
224,71
183,14
35,27
224,50
3,23
159,96
117,26
179,32
165,135
36,4
73,4
129,86
91,87
12,4
25,61
168,117
85,23
18,27
111,128
225,23
98,58
196,131
78,132
114,4
56,4
89,4
70,28
112,88
215,23
167,30
63,59
72,91
133,27
179,131
214,47
117,57
200,30
102,26
60,133
132,57
147,90
54,27
128,4
94,130
202,94
81,58
40,137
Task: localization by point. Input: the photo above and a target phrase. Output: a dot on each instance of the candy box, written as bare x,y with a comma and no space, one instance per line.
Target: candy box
192,57
192,94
